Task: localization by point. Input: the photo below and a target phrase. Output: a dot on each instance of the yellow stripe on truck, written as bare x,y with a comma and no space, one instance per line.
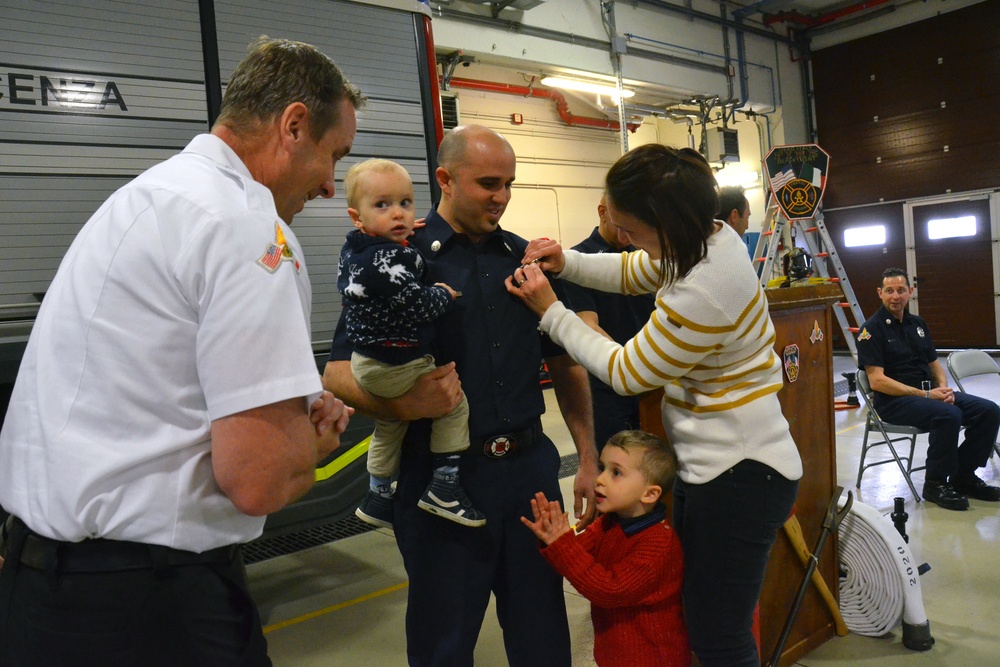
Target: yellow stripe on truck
342,461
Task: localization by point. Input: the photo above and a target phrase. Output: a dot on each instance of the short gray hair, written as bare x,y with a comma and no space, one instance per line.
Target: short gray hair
278,72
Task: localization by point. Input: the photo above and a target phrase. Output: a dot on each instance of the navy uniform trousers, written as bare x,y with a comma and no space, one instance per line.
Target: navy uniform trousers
945,457
61,605
447,561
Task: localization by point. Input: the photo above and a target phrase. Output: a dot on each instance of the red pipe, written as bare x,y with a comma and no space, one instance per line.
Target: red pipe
561,106
811,22
435,90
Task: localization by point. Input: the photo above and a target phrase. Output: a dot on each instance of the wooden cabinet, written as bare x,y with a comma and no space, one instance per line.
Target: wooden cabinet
807,403
802,318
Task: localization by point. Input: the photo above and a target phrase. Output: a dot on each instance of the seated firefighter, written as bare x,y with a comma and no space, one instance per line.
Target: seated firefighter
911,388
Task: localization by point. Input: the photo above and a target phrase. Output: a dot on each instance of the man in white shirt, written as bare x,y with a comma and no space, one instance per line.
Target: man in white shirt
168,399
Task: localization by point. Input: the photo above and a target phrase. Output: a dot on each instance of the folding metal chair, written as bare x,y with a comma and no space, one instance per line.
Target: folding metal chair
964,364
891,433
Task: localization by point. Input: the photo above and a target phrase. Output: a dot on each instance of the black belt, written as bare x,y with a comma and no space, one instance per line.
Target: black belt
507,444
102,555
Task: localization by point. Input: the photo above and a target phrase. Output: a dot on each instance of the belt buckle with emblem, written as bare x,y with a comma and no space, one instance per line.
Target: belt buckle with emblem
500,446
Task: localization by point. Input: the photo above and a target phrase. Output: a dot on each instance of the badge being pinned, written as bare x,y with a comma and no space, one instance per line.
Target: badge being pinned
276,252
791,354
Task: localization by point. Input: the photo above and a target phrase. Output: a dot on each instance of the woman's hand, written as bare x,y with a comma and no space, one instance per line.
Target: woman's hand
547,254
530,285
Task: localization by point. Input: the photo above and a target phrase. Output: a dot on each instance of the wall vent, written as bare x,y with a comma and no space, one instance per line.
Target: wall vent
449,110
723,145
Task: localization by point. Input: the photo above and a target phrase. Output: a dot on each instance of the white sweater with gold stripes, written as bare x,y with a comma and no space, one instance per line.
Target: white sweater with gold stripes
709,344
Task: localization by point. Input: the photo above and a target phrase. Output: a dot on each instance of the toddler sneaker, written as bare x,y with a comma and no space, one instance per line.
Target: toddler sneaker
376,509
446,498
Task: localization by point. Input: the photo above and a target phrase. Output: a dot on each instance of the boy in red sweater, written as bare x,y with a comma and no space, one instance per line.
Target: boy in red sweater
629,562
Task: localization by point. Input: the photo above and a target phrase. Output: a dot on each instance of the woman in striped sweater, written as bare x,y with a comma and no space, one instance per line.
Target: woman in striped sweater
709,345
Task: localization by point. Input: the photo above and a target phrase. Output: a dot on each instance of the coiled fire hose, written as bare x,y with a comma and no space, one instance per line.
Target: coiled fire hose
879,582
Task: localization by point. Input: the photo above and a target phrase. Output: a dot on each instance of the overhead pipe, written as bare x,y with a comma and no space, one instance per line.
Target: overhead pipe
812,22
562,107
569,38
631,37
709,18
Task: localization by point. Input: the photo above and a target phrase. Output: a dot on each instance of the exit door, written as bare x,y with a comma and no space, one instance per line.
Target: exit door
952,264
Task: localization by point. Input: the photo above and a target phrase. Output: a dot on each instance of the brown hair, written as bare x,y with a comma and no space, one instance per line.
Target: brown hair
659,460
732,198
674,192
278,72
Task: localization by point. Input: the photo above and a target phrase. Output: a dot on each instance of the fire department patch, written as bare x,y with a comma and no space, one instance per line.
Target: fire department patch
791,355
864,335
797,175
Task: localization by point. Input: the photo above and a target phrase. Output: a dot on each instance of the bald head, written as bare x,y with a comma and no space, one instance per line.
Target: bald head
475,172
464,141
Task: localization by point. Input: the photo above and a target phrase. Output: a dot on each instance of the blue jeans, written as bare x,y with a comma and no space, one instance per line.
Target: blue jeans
945,457
727,527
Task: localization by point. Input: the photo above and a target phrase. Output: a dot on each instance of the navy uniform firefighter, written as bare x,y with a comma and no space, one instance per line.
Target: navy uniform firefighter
491,341
168,398
896,350
617,316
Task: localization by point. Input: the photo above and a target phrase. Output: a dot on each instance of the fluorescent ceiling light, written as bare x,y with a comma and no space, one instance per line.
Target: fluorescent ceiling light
861,236
585,86
951,227
729,176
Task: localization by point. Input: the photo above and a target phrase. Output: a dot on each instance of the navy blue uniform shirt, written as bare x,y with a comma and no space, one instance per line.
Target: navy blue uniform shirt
491,335
620,315
903,349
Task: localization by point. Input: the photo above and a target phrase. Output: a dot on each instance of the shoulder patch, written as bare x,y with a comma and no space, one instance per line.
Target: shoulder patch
276,252
864,335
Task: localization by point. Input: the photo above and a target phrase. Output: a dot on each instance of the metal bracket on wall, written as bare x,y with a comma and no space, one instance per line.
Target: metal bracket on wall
500,6
449,62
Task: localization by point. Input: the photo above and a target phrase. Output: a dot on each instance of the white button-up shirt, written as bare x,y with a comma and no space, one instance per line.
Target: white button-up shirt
184,299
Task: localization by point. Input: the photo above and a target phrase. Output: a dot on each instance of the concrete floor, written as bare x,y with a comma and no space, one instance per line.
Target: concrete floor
343,603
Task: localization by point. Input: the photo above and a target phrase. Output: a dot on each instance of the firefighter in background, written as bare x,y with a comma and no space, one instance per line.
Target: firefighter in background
617,316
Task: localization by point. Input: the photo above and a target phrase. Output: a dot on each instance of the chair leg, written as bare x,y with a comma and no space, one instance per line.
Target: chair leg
864,453
887,441
899,462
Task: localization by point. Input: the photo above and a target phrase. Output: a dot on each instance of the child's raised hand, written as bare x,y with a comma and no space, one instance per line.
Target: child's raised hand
550,521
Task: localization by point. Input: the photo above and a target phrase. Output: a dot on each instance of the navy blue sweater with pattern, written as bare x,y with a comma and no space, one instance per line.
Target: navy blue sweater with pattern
388,311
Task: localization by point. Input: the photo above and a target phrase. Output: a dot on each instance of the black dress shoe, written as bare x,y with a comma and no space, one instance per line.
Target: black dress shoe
973,487
945,495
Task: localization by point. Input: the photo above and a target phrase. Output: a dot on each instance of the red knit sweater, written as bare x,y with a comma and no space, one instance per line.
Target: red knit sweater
634,587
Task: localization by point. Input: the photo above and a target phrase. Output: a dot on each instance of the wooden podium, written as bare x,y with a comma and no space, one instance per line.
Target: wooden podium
802,318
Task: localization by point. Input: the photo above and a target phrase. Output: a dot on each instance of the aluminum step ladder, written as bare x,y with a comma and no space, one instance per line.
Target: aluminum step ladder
824,254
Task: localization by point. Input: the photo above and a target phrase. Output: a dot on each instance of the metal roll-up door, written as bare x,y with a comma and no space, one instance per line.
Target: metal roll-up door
91,94
376,48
